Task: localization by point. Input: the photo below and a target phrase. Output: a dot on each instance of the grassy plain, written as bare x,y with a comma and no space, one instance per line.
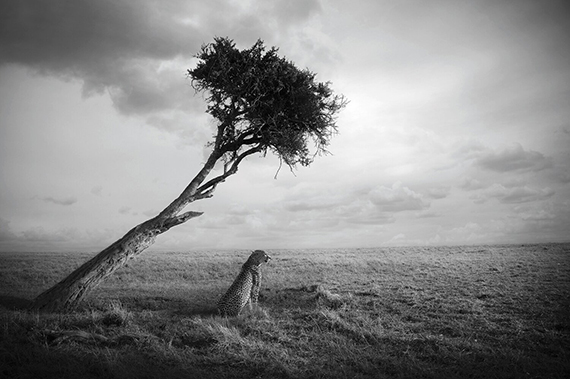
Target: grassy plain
418,312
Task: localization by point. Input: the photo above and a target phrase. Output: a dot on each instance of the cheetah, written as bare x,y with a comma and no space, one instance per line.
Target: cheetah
245,288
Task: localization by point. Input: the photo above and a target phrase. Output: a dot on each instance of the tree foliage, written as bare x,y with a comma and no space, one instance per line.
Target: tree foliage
264,102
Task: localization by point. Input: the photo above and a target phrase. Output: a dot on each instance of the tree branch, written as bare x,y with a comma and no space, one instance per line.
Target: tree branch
207,189
242,140
177,220
205,195
187,196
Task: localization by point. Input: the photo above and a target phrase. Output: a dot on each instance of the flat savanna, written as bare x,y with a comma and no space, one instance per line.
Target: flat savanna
414,312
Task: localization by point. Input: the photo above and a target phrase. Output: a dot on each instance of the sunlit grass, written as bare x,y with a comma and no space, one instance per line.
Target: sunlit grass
457,312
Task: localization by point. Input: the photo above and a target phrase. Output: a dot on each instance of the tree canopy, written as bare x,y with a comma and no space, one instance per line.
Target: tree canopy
264,102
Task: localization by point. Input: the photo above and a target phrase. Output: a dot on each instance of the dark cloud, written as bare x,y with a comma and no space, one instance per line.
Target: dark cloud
60,200
110,45
66,34
513,158
136,51
525,194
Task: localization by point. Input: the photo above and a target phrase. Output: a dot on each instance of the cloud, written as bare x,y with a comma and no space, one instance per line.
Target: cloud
535,213
137,52
289,13
422,99
375,206
468,149
369,215
525,195
276,19
397,199
438,193
6,233
353,206
471,184
38,238
513,158
563,175
34,234
427,214
317,203
239,210
514,195
60,201
39,234
111,45
304,197
64,35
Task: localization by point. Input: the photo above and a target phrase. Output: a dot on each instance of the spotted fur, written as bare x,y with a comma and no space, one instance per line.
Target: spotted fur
245,288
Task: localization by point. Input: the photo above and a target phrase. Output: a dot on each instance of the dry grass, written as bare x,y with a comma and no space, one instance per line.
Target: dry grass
457,312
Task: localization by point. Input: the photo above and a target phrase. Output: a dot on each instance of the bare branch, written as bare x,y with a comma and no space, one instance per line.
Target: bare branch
177,220
227,171
205,195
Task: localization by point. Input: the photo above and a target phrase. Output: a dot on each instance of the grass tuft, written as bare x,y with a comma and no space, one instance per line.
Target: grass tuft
115,315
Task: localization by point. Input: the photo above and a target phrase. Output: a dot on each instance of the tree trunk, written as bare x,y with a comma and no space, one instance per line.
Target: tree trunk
65,295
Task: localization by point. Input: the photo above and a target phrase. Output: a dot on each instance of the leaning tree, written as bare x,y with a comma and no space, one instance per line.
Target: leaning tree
261,103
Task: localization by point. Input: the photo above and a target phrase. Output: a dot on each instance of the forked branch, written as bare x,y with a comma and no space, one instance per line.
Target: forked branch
230,168
180,219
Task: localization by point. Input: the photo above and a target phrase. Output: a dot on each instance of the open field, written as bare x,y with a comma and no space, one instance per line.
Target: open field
431,312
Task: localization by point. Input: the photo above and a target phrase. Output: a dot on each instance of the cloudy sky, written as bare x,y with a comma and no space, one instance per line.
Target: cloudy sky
457,131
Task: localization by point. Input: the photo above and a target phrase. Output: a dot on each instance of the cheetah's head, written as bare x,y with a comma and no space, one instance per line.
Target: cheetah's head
258,257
